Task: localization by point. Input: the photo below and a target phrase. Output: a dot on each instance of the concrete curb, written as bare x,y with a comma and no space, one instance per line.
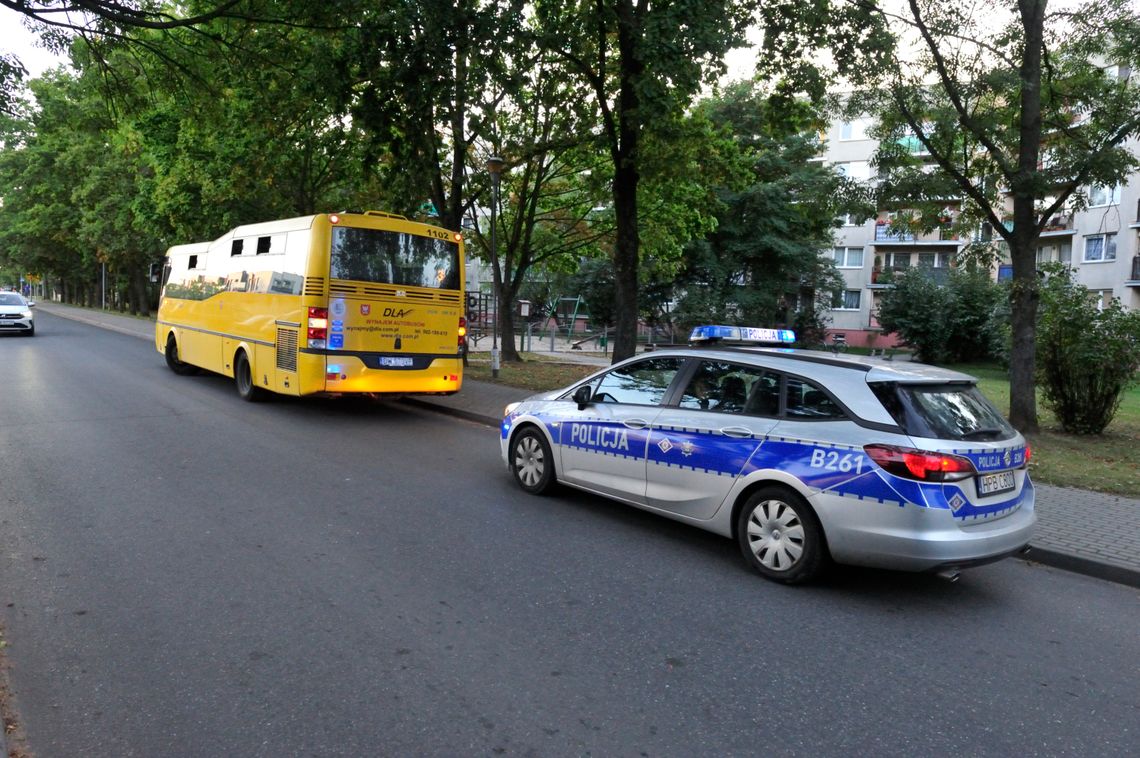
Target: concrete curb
1086,566
462,413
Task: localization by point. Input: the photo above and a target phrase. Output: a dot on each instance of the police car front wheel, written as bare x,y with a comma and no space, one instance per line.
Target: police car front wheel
531,461
780,536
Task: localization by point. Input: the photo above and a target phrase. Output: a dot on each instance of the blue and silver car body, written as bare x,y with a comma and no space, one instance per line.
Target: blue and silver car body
861,441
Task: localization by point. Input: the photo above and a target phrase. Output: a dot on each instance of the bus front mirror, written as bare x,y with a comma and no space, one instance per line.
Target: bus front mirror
582,396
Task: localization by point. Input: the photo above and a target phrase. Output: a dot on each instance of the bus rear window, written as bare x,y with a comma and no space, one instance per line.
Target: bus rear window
372,255
943,411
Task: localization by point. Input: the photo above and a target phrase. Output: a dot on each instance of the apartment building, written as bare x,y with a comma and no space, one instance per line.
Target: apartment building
1101,243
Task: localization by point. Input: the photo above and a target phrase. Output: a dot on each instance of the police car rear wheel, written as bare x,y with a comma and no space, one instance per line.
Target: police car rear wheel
780,536
531,461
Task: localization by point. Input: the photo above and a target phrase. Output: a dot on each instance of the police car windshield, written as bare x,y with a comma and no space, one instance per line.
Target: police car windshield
952,411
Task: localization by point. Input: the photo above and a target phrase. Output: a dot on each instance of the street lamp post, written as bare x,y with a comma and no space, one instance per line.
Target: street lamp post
494,168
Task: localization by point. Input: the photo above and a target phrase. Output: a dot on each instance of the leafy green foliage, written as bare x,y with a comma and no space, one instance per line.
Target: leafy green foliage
950,321
762,264
1087,355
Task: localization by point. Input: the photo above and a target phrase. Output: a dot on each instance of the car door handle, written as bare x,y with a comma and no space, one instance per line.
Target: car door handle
738,432
636,423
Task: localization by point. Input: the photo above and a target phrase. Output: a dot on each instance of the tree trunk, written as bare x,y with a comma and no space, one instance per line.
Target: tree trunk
1023,242
626,179
140,299
1023,331
507,325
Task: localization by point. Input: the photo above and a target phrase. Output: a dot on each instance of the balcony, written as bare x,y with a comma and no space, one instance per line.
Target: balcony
1057,226
880,277
884,235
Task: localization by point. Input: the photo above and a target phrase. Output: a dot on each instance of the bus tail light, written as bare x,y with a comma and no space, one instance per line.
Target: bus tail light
462,333
920,465
318,327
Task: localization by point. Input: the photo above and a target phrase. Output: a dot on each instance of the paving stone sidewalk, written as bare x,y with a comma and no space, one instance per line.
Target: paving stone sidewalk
1087,532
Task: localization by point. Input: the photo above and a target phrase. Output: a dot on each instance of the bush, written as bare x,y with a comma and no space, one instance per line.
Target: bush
1086,356
950,322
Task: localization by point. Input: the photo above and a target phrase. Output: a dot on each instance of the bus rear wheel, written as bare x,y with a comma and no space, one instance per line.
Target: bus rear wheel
172,360
243,378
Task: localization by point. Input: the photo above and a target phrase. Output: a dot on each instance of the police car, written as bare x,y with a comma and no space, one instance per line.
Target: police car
803,457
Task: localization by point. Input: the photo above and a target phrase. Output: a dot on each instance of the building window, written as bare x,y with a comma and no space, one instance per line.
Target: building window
933,260
852,130
1066,256
1044,254
1099,196
849,219
857,170
1100,247
898,260
1103,298
849,257
846,300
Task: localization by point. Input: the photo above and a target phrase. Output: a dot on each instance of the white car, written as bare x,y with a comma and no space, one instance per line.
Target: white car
16,314
803,457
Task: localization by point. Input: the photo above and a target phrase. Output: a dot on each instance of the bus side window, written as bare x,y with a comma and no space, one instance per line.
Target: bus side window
236,246
263,245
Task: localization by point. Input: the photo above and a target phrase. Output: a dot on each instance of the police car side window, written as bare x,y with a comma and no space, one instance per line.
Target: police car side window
641,383
807,401
720,387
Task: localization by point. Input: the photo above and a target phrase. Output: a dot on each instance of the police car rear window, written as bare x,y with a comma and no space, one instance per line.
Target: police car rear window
949,411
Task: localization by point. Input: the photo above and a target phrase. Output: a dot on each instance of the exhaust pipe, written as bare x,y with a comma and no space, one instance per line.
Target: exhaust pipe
950,575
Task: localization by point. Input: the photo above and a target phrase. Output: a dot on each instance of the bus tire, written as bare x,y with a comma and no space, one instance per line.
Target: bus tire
243,378
172,360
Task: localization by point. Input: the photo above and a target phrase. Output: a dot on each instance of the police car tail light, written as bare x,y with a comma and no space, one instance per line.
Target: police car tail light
318,327
921,465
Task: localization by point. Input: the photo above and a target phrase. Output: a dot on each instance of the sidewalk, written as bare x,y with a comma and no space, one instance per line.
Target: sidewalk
1086,532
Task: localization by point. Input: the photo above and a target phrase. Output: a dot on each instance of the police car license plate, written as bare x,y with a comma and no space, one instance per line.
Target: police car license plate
6,322
387,361
992,484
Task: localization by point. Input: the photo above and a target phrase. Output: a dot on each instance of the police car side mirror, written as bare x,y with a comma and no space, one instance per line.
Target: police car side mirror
582,396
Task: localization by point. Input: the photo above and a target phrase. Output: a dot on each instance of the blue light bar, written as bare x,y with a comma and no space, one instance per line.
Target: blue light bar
749,334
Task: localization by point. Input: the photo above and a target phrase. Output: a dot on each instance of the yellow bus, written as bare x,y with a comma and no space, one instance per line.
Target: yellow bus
335,303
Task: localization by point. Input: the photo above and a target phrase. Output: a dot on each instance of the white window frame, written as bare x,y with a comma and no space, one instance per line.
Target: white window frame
941,260
839,300
1111,196
1107,245
845,252
851,131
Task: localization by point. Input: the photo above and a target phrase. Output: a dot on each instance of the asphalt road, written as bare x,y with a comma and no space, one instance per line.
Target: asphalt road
182,573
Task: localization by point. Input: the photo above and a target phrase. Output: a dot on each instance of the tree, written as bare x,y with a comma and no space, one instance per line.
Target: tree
1087,355
57,21
945,321
641,64
762,264
1020,116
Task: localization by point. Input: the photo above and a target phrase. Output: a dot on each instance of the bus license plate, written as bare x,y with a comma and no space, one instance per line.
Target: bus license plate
992,484
395,362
